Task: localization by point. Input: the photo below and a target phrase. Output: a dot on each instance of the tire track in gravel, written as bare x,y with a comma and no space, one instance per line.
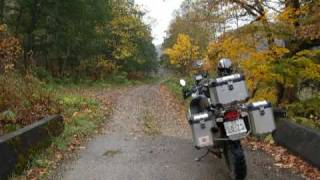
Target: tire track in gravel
125,152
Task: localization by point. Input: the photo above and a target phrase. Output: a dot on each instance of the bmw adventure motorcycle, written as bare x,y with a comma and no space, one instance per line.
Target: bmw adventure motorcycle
219,116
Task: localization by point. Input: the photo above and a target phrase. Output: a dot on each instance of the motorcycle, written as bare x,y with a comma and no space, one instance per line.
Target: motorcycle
216,127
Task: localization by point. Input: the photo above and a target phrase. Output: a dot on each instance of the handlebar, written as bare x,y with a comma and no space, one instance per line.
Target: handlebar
187,93
199,87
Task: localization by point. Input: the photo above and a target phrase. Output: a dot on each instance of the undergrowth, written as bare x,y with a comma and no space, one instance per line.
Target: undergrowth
82,117
173,85
306,112
24,100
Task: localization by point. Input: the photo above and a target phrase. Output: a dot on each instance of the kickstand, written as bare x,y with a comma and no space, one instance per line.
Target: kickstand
201,157
217,154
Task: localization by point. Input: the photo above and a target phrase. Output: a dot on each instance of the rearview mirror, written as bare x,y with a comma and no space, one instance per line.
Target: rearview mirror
183,82
198,64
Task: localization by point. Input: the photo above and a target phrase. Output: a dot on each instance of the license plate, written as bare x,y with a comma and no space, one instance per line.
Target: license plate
235,127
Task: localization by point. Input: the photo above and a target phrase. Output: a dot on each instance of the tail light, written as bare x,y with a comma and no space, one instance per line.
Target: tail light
231,115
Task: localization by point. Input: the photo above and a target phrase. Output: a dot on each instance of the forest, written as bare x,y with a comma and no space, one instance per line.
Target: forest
75,38
74,41
276,44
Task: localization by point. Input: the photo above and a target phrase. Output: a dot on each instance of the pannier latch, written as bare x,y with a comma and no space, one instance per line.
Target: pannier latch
230,85
203,124
261,110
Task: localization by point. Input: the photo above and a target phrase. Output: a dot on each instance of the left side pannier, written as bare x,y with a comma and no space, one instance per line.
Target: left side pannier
201,125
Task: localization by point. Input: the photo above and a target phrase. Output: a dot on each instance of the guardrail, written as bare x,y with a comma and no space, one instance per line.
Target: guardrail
16,148
299,140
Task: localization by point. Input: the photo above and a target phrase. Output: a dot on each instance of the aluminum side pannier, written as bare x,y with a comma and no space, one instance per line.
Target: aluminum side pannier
201,125
228,89
261,117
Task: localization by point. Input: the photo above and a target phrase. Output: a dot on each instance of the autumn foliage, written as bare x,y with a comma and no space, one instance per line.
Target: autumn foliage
183,53
10,50
23,99
276,51
59,38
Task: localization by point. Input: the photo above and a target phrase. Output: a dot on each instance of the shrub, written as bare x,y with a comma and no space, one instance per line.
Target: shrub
24,100
97,68
306,112
10,50
308,108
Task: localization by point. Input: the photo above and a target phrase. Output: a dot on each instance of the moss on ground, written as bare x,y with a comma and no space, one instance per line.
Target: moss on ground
149,124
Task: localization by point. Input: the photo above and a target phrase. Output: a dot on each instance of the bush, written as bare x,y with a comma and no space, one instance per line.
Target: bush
308,108
24,100
97,68
306,113
10,50
43,74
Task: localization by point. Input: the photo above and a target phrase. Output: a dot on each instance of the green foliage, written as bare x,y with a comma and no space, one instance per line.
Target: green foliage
8,115
82,117
79,38
308,108
310,123
173,85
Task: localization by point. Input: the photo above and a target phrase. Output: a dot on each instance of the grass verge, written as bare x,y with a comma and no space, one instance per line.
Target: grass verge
172,84
83,117
149,124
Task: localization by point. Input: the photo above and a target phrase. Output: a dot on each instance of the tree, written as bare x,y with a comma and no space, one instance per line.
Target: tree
59,36
195,20
130,44
10,50
183,53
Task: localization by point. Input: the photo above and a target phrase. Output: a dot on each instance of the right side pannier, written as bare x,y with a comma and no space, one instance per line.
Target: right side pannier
261,117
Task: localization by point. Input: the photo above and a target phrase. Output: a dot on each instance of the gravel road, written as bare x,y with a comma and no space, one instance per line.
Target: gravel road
148,138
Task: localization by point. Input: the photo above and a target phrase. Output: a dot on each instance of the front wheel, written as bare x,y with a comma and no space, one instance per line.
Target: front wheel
235,159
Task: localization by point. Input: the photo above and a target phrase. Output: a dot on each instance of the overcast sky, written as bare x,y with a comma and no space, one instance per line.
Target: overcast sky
159,14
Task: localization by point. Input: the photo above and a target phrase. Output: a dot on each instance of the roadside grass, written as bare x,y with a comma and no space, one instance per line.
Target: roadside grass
307,122
24,100
149,124
83,117
110,83
172,83
112,153
306,112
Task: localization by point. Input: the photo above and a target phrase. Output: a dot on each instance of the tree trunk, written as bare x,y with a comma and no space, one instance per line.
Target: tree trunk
2,6
30,38
280,95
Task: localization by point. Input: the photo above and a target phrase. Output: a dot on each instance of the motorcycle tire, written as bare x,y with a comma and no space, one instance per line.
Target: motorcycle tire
235,159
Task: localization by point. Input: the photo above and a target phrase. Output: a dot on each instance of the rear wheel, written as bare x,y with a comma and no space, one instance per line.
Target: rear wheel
235,159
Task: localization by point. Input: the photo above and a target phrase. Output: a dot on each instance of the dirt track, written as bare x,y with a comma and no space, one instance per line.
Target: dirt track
148,138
